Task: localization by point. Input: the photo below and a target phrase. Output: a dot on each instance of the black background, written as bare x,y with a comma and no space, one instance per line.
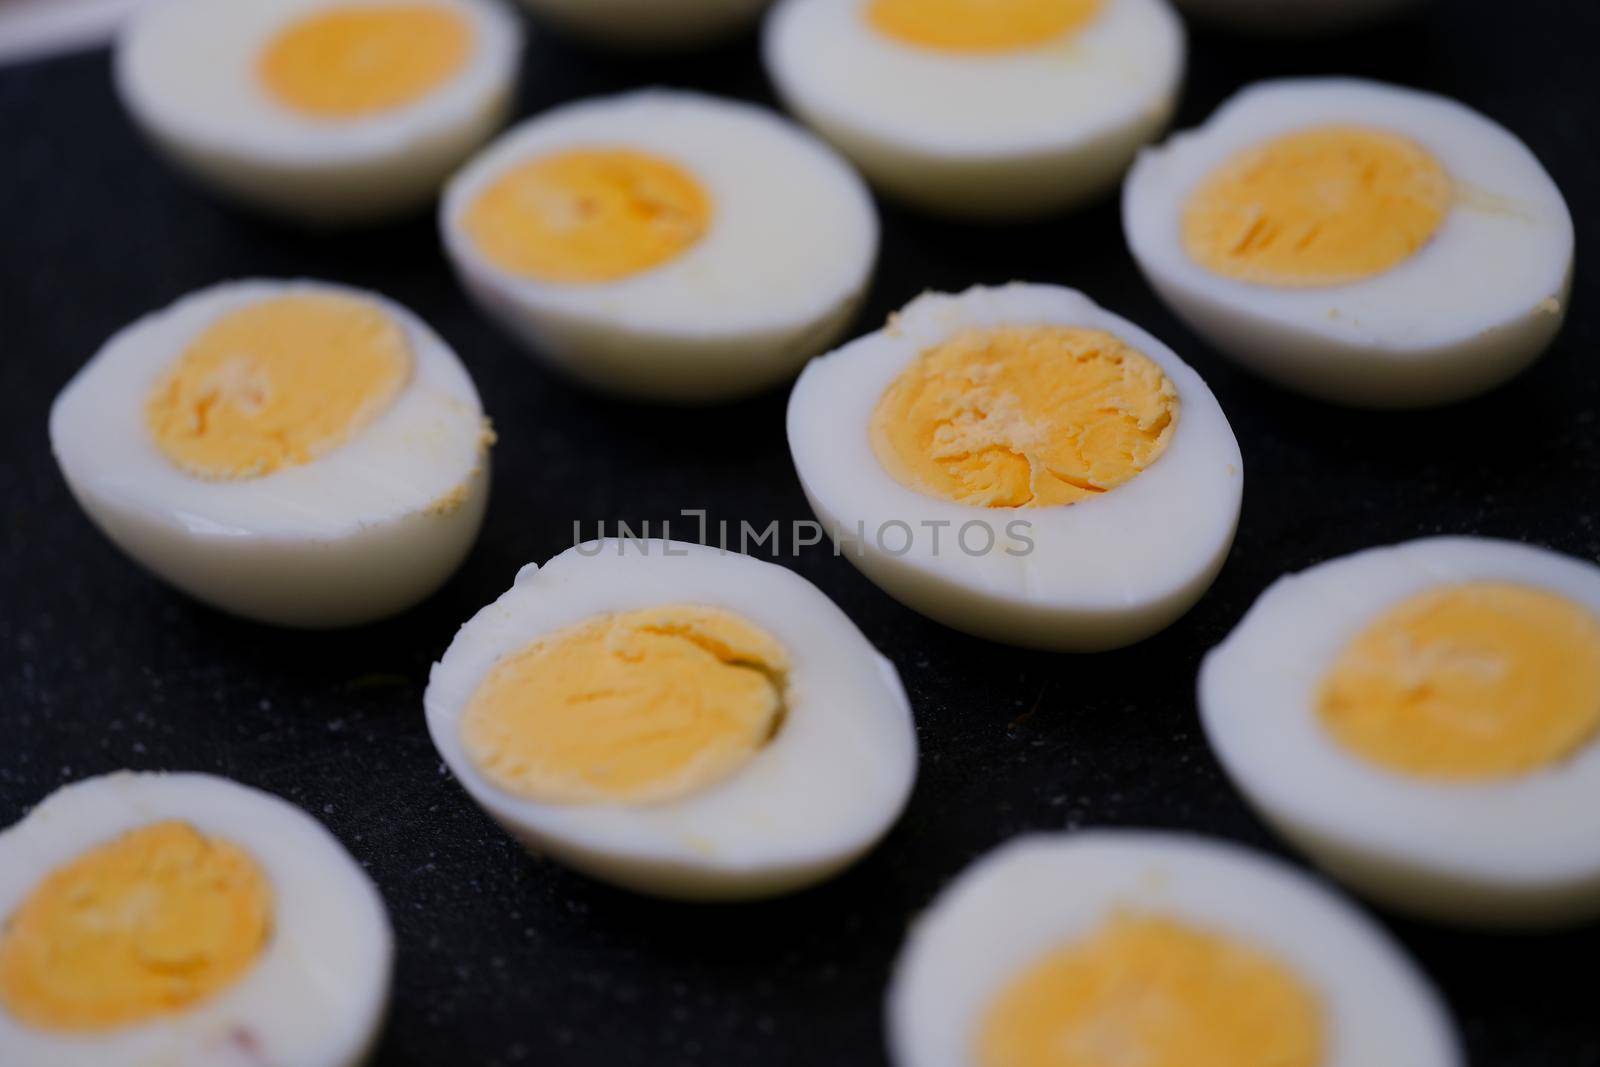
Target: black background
506,959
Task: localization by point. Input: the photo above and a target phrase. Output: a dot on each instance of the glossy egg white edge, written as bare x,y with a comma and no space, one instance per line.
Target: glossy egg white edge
778,277
1297,18
986,136
316,997
362,532
186,72
1101,574
1041,890
649,24
1522,851
817,797
1475,306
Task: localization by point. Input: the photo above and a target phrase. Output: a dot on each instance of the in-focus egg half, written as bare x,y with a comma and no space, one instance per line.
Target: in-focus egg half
185,919
1297,17
981,108
649,24
322,110
1424,720
676,720
665,245
293,452
1358,242
1022,465
1161,950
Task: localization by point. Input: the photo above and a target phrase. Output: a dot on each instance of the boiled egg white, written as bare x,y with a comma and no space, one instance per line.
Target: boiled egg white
981,108
185,919
1358,242
293,452
664,244
1020,464
649,24
1157,949
1424,720
324,111
676,720
1296,17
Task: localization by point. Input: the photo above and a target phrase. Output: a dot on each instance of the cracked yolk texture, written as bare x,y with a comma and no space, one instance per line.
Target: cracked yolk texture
1153,992
361,60
1325,206
1024,416
629,708
980,25
276,384
589,215
1477,681
149,924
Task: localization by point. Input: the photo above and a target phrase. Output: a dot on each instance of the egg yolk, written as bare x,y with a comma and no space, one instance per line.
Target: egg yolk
1476,681
629,708
980,25
149,924
276,384
1325,206
360,60
589,215
1147,991
1024,416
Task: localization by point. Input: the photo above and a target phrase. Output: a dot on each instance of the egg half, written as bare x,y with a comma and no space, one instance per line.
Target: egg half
320,110
675,719
1424,720
1358,242
1020,464
185,919
663,244
649,24
293,452
1162,950
981,108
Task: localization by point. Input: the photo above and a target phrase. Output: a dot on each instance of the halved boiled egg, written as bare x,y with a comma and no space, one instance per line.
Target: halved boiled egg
1359,242
294,452
1156,949
677,720
322,110
649,24
1021,464
1424,720
981,108
185,919
664,244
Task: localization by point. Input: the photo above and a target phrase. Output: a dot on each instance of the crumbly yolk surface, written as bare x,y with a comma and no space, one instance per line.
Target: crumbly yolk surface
276,384
1153,992
589,215
360,60
146,925
1324,206
980,25
1024,416
629,708
1476,681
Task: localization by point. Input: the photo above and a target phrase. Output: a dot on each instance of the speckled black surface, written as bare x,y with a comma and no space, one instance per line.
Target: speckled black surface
505,959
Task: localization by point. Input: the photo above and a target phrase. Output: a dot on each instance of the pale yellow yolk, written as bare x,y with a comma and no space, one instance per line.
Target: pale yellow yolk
589,215
277,384
629,708
1024,416
1325,206
1476,681
980,25
1153,992
362,59
149,924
